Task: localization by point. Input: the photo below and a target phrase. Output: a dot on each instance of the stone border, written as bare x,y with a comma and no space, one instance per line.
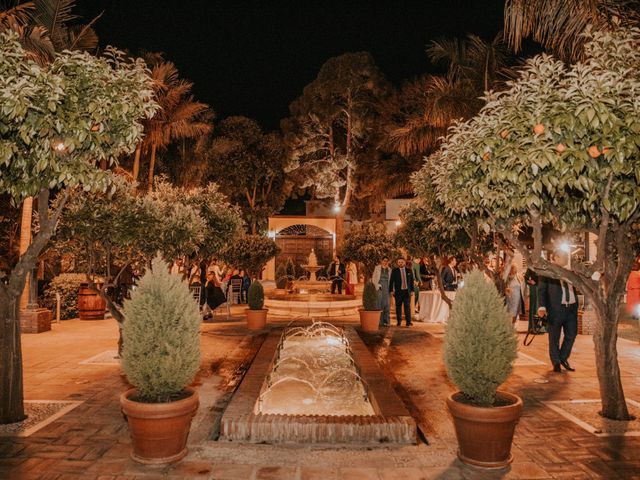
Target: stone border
555,405
325,309
92,360
70,405
391,424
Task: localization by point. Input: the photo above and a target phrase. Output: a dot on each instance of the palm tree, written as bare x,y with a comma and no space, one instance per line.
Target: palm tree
558,24
427,105
179,117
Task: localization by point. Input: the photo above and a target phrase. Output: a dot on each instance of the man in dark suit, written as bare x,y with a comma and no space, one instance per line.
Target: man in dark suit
558,301
401,284
337,272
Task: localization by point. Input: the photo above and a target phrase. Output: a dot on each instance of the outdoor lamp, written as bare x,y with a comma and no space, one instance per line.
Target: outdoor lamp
336,208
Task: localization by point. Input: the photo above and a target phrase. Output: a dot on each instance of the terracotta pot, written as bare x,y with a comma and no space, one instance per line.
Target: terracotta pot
159,431
256,319
91,306
369,320
485,433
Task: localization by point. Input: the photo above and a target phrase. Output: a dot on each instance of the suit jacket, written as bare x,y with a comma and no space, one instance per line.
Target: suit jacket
550,295
395,282
340,273
449,280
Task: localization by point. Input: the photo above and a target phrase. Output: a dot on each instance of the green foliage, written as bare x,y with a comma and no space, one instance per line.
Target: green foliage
256,296
370,297
497,163
281,276
290,268
368,243
250,253
480,343
66,284
91,106
161,335
257,181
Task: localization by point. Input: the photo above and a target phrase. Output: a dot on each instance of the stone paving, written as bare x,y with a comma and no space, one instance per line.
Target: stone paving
92,441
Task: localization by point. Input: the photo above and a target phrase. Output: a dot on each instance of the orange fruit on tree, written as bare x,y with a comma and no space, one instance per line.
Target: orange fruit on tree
538,129
594,151
561,147
486,156
504,133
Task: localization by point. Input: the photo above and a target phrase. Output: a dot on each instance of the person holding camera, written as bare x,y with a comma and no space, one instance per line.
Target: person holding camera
558,301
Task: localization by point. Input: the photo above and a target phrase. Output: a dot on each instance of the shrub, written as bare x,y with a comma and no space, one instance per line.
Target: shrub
256,296
368,243
161,335
290,268
281,276
480,344
250,253
370,297
66,284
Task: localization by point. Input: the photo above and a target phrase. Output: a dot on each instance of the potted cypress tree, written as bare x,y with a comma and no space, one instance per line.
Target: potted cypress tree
480,346
161,355
370,311
256,315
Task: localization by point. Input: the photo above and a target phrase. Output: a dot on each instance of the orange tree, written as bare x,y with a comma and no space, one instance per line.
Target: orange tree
560,147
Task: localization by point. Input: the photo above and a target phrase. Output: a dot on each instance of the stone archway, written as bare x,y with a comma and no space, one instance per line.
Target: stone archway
296,235
296,242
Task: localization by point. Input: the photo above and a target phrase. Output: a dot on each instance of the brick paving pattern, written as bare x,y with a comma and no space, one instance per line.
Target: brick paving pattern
92,441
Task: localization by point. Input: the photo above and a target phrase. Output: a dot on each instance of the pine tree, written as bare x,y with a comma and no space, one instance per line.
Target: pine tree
161,335
480,344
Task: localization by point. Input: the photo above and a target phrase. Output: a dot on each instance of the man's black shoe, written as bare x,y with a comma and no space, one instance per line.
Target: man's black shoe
556,368
409,324
566,366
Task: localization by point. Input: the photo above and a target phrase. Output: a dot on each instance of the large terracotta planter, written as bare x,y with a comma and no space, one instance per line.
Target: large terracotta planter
256,319
159,431
485,433
369,320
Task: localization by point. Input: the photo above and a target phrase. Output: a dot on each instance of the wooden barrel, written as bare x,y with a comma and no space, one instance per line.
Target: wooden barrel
90,305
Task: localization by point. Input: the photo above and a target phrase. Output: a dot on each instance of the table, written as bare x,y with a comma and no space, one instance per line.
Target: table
432,308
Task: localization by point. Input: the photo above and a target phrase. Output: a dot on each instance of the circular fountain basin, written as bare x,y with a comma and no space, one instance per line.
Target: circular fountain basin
312,304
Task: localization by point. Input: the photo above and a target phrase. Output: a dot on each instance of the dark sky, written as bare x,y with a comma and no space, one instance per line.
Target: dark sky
254,58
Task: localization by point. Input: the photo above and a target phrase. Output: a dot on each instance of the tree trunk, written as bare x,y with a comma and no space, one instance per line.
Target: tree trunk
136,163
11,398
152,164
340,229
25,241
605,341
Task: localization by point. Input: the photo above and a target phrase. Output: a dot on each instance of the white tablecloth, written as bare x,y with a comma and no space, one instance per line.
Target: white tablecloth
432,308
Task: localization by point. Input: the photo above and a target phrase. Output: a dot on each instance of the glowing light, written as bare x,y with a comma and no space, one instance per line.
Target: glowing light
565,247
271,234
336,208
460,284
398,222
333,341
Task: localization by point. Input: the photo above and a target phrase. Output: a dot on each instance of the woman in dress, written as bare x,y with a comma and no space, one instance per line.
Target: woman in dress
515,293
633,290
352,278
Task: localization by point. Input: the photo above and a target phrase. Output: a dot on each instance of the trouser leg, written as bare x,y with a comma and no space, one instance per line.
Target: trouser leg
554,328
334,284
384,306
398,309
407,307
570,330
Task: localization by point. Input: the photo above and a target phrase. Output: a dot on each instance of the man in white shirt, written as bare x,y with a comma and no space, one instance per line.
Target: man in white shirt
558,301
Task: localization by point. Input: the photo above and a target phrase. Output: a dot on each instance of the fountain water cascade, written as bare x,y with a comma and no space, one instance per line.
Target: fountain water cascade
316,384
314,374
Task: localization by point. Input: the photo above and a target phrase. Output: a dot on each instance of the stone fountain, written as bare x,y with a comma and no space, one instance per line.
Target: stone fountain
312,266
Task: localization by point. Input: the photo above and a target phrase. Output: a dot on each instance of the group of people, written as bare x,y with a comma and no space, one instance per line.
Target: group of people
216,281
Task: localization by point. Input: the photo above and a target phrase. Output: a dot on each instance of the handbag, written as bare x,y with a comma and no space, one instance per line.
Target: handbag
539,323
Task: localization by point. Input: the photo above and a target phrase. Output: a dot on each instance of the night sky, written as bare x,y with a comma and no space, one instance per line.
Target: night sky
254,58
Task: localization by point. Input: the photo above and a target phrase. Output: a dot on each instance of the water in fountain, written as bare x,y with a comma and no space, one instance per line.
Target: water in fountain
314,374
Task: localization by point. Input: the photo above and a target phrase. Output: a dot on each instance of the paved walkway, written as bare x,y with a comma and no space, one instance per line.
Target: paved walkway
92,441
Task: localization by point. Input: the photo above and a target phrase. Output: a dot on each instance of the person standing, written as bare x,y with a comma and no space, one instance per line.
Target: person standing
380,278
401,285
449,274
558,301
417,282
336,274
515,293
633,290
352,278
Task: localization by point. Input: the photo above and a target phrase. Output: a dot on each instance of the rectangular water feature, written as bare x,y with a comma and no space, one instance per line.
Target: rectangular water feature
316,389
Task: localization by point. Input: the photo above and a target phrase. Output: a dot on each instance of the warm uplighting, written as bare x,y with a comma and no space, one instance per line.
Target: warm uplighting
336,208
565,247
398,222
